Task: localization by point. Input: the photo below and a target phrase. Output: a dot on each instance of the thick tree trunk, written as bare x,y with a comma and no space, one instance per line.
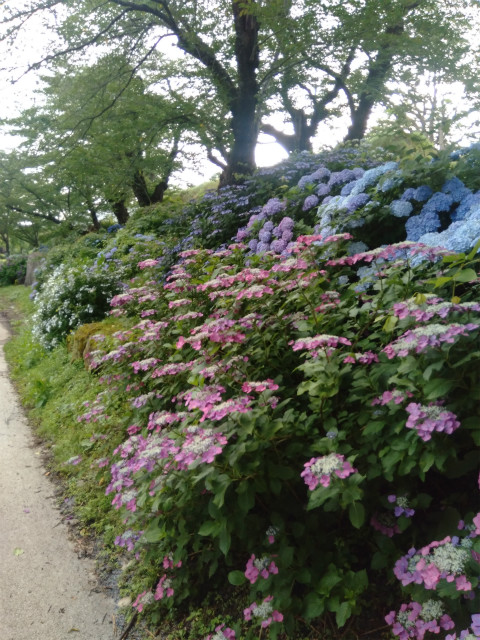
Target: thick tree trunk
244,102
120,211
142,194
378,72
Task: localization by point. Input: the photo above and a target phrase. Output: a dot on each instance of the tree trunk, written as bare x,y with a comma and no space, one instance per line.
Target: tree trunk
120,211
243,105
142,194
378,72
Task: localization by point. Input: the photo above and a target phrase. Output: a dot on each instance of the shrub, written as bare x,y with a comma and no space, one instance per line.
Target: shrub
292,433
13,270
72,295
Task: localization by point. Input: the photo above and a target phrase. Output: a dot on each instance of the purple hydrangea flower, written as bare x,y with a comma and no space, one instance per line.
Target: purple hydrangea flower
264,235
340,177
322,190
273,206
286,223
310,202
279,246
321,173
263,246
355,202
304,180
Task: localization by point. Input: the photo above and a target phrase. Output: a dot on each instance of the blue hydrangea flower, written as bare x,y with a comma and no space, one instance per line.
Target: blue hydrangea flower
347,188
356,247
460,236
465,205
354,202
408,194
263,246
268,226
390,182
437,203
372,176
416,226
423,193
355,223
456,189
401,208
367,277
252,245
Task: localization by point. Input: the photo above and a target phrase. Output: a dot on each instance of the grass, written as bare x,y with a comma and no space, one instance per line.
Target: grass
53,388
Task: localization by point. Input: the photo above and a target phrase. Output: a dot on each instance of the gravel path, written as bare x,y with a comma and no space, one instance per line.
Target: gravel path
46,591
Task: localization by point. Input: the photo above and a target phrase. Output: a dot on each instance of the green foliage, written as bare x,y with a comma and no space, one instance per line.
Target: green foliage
13,270
207,487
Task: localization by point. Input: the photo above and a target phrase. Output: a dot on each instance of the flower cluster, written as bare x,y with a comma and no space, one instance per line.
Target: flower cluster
320,470
440,560
414,620
263,567
426,419
263,612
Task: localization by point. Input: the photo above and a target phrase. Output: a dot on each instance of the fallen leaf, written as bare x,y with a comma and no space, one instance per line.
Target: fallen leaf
74,629
18,551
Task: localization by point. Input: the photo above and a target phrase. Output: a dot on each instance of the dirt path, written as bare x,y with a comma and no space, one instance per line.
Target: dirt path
46,591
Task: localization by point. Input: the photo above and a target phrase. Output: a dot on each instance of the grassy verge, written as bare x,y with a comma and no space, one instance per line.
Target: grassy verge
53,389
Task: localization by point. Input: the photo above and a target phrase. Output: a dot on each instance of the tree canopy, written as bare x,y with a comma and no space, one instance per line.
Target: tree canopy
120,103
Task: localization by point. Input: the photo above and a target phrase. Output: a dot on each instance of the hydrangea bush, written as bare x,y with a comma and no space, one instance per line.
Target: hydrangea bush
290,434
13,270
70,297
304,401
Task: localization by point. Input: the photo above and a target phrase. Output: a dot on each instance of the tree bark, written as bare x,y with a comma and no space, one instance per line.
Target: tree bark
244,102
378,72
120,211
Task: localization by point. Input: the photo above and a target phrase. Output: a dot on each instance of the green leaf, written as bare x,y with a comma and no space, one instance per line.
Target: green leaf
153,533
390,324
225,539
343,613
209,528
356,513
236,578
437,388
466,275
314,606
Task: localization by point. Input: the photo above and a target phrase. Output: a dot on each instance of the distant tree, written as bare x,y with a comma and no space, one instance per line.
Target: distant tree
351,53
428,108
101,138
